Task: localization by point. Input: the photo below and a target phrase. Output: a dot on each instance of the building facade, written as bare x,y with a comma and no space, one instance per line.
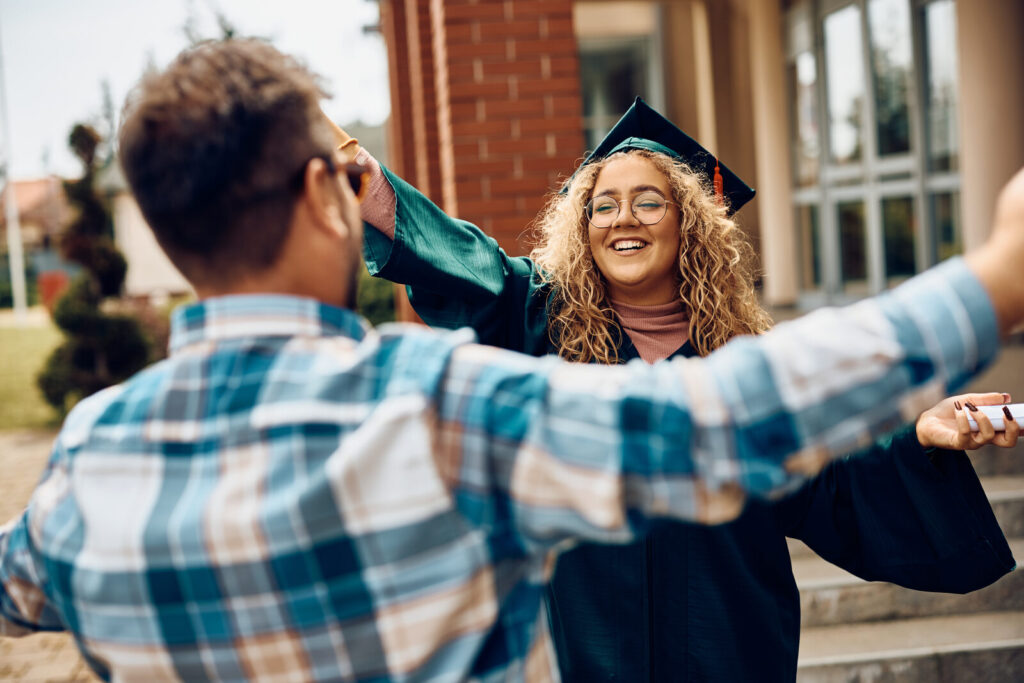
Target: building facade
877,132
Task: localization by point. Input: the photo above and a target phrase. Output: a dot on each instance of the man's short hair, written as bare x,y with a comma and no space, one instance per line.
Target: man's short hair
214,148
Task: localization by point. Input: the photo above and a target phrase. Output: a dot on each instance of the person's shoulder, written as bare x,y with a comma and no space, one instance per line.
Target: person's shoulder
93,410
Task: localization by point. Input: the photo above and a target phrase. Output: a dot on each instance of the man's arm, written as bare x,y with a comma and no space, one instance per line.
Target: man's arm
559,451
24,607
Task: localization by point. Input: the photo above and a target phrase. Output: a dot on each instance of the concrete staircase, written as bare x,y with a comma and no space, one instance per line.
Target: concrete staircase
855,631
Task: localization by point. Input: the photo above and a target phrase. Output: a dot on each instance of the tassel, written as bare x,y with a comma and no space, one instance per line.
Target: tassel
719,185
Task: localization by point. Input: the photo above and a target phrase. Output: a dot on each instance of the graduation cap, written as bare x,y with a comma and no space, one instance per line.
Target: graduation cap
643,128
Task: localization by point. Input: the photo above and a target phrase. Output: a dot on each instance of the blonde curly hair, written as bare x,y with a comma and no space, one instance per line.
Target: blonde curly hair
716,277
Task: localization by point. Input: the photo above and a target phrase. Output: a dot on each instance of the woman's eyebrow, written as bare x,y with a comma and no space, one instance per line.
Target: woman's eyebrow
636,188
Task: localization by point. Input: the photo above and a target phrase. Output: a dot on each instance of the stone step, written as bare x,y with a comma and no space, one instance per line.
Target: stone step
990,461
1006,493
830,595
982,648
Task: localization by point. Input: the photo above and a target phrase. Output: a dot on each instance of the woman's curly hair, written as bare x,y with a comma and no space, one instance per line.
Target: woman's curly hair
715,268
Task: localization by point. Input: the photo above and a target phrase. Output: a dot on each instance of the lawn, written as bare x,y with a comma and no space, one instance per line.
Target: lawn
22,354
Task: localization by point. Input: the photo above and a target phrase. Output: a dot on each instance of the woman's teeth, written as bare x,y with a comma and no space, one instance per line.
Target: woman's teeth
628,245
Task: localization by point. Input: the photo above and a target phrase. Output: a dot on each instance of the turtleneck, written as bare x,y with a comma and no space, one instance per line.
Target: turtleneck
656,331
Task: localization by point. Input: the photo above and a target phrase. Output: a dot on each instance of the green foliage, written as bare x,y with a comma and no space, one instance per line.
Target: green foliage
102,347
376,299
23,350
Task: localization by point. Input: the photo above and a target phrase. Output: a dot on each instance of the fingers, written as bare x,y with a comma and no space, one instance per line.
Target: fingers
989,399
1011,431
963,427
986,432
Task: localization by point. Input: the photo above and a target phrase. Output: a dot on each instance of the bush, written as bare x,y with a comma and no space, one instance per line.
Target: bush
376,299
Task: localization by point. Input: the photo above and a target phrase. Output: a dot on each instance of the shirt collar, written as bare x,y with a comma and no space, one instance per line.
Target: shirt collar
261,315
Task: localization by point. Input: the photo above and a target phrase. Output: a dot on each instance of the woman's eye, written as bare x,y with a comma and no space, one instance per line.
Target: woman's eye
649,205
604,208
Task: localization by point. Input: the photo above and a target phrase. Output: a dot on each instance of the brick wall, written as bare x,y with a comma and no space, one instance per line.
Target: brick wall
486,96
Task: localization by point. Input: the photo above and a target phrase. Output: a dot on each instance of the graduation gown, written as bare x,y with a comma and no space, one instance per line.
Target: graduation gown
692,602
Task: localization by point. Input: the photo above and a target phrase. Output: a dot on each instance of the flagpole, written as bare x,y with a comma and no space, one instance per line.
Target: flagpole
15,251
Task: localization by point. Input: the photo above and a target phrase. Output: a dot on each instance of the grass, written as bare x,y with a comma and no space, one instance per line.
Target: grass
23,351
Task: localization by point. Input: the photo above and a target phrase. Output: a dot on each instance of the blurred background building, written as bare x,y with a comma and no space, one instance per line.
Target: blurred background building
877,132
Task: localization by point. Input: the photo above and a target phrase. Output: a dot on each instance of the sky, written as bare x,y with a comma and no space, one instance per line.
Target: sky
58,53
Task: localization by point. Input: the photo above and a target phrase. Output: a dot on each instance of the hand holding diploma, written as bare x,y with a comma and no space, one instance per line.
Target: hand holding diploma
949,423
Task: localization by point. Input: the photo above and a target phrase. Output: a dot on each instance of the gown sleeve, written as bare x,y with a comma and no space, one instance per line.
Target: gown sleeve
894,512
457,276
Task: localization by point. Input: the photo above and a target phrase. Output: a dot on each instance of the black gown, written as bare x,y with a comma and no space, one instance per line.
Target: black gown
693,602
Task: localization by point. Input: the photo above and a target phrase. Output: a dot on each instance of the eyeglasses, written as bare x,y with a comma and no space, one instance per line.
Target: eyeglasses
647,207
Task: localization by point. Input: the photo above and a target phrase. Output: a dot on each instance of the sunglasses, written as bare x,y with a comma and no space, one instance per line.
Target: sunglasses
358,176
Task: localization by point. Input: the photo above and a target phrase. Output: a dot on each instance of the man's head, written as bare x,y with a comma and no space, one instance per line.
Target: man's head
226,151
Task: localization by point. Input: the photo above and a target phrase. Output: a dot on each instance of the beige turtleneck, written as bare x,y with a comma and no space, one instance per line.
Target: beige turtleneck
656,331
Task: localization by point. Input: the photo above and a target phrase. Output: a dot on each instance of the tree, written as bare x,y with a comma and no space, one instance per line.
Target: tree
101,347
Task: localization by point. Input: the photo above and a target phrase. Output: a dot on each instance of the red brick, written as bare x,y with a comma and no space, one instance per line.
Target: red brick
511,226
552,124
547,86
519,187
483,11
486,207
467,150
522,9
464,51
463,91
512,107
555,47
564,66
495,128
560,26
456,34
499,148
463,72
518,67
474,169
519,28
463,111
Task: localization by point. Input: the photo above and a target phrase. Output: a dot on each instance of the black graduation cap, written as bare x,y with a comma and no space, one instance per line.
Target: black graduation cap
643,128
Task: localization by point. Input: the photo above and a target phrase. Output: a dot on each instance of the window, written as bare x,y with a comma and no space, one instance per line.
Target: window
874,141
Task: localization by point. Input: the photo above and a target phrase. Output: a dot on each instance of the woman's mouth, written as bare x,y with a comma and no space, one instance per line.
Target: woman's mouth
627,245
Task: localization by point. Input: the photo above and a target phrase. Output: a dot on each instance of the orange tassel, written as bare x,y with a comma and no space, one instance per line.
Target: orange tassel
719,185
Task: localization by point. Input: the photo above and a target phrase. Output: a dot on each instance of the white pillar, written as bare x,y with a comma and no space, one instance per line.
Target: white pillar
14,246
771,145
990,58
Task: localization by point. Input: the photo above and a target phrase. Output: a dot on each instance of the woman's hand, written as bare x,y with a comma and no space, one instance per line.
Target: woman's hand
945,425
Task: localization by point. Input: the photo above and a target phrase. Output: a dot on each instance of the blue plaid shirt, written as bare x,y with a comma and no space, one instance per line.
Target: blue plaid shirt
291,496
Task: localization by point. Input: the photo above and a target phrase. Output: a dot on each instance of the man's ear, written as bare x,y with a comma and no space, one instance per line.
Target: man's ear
321,199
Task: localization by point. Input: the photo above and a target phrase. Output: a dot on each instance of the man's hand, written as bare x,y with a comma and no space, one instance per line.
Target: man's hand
347,146
946,426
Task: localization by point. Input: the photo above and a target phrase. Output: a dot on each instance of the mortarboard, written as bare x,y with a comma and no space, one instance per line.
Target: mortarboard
641,127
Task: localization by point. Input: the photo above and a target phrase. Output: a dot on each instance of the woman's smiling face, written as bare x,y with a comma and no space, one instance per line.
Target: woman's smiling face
640,263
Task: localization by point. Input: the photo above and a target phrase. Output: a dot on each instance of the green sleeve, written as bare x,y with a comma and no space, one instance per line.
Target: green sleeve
457,276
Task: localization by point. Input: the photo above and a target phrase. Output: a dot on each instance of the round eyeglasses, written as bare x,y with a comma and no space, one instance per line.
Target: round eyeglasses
647,207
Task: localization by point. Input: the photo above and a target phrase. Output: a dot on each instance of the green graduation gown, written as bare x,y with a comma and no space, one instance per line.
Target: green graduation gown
692,602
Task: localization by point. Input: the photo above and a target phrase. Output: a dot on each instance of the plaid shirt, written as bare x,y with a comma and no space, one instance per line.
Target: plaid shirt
290,496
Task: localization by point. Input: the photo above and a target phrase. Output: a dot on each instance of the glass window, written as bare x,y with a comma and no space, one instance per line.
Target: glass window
853,261
844,67
898,230
893,65
612,73
942,96
809,245
948,233
806,148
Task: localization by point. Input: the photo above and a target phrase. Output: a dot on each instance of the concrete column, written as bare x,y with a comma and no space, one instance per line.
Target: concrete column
704,90
991,79
771,143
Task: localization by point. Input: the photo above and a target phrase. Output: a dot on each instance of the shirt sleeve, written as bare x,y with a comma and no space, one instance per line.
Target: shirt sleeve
456,275
540,451
24,605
